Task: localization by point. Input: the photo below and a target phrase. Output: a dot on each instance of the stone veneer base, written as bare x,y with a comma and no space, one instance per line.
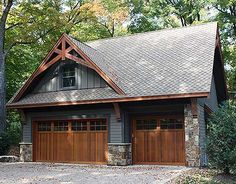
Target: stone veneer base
119,154
26,152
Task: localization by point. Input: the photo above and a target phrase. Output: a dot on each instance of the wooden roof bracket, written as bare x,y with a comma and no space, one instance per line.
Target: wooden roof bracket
194,107
62,54
117,111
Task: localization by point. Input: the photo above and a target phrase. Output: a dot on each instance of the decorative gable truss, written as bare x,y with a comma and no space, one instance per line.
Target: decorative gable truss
65,48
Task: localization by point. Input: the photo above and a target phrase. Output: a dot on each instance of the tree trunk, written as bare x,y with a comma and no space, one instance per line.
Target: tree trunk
7,6
2,91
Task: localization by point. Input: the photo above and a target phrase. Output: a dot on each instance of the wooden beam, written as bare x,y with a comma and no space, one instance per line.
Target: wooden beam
117,111
31,78
78,60
96,68
63,48
69,49
58,51
194,107
50,63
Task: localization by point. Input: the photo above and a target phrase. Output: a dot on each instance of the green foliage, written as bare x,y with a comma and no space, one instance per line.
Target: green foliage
226,11
4,143
12,135
221,139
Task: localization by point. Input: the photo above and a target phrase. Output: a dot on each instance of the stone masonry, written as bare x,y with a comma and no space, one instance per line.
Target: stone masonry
192,149
119,154
26,152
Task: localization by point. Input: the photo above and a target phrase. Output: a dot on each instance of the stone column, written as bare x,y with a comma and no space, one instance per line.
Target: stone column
192,148
26,152
119,154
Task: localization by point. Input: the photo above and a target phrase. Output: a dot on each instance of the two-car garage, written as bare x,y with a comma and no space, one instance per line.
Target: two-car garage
155,140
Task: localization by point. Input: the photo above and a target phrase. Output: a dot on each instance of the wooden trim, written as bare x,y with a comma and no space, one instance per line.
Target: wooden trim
30,79
63,47
96,68
112,100
63,54
46,66
78,60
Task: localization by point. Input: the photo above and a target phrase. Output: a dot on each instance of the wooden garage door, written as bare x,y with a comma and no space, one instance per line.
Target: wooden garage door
79,141
158,140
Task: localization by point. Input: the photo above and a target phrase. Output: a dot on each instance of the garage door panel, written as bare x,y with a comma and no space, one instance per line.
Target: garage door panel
81,149
62,147
158,140
153,146
80,141
139,146
180,148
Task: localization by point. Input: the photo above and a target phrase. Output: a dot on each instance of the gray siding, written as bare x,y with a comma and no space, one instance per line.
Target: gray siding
211,101
114,127
85,78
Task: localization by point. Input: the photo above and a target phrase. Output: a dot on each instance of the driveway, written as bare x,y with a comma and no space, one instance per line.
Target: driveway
86,174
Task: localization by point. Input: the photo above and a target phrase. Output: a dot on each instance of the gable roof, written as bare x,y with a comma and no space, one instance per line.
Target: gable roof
173,62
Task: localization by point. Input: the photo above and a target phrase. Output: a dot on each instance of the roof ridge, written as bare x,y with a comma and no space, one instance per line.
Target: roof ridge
144,33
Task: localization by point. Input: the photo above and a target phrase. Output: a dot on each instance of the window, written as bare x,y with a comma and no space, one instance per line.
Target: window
98,125
146,124
171,123
68,76
44,126
79,126
61,126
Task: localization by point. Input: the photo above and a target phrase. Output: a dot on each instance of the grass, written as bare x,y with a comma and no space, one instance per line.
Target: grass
204,176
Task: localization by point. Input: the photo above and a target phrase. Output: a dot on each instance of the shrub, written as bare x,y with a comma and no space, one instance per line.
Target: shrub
221,138
12,134
4,143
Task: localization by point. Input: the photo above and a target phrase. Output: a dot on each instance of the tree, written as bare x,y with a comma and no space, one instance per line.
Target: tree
221,139
108,14
159,14
226,17
6,6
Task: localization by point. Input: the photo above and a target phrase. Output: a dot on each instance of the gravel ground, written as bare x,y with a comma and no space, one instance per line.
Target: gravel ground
86,174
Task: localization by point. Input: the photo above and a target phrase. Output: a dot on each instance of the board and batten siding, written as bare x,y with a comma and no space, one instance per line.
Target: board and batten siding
114,126
212,103
85,78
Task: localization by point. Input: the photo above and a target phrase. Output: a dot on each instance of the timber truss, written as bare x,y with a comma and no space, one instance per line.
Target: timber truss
66,48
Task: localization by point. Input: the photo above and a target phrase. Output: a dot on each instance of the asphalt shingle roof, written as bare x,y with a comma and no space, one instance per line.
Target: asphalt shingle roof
165,62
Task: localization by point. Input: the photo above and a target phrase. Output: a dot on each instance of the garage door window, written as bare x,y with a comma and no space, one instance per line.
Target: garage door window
61,126
98,125
44,126
168,123
79,126
148,124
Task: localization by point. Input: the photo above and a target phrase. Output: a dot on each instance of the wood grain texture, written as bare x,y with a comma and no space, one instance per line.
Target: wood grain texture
70,146
157,146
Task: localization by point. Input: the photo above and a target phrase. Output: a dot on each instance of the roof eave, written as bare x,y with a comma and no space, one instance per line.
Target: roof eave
111,100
